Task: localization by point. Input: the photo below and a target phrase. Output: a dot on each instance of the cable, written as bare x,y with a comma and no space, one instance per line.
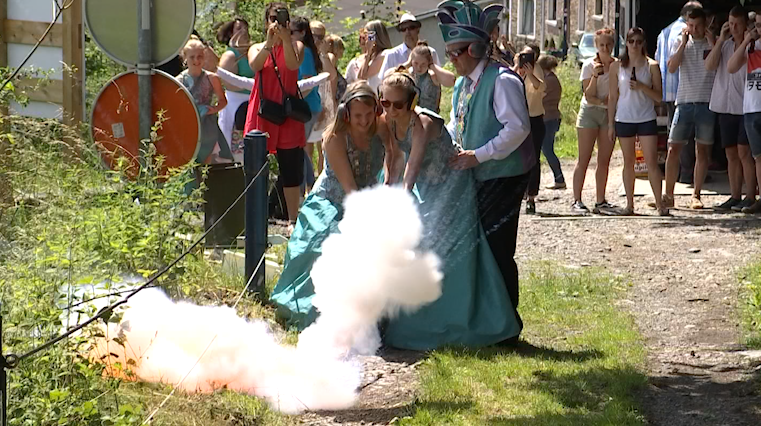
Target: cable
16,359
240,296
39,42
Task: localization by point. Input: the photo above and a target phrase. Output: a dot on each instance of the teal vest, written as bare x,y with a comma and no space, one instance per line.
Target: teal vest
481,125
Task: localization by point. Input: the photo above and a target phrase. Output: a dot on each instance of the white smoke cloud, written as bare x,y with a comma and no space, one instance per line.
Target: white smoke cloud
368,271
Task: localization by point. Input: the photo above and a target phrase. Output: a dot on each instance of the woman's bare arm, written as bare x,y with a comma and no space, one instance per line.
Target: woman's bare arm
337,157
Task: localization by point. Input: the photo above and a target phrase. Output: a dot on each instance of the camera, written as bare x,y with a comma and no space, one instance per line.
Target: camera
525,58
282,17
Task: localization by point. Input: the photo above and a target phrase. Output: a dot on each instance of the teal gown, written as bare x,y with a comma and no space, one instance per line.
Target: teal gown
474,308
318,218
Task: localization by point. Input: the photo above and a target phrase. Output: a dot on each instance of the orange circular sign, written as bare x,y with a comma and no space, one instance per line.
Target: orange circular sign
115,121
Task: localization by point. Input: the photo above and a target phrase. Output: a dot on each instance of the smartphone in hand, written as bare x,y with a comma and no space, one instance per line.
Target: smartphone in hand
525,58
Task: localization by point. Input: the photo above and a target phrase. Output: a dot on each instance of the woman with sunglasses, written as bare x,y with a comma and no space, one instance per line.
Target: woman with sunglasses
356,147
474,309
276,62
635,88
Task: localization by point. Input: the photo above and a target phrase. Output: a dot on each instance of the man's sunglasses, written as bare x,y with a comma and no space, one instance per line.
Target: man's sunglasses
385,103
455,53
408,28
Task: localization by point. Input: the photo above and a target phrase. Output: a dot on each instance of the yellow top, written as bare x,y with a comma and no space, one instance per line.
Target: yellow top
534,96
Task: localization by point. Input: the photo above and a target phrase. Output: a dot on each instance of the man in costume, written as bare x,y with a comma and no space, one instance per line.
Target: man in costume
490,121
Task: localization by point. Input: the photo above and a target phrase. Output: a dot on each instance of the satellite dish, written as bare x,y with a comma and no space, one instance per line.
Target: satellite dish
115,121
113,25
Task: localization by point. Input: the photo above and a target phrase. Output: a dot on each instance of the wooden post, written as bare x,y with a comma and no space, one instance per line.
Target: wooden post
73,72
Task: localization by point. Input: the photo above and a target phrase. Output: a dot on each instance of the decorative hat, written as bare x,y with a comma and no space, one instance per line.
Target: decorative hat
464,20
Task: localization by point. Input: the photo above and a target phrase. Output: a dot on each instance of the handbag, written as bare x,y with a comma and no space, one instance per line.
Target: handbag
272,111
295,105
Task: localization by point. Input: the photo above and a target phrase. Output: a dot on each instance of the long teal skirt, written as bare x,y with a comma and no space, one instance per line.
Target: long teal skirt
318,218
474,308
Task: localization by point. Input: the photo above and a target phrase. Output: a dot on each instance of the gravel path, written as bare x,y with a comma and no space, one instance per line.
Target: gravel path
684,298
685,295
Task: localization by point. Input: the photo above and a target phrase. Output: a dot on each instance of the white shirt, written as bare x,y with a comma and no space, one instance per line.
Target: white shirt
727,93
400,54
511,110
352,71
752,91
603,86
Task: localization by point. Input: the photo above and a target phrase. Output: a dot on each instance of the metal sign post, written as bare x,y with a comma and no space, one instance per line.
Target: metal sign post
144,66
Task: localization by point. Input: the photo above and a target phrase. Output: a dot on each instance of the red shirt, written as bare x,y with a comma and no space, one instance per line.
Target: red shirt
290,134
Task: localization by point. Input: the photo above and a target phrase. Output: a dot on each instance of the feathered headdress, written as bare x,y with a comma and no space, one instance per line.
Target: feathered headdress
461,21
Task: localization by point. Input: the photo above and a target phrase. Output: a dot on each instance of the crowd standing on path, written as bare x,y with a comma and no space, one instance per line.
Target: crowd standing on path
379,123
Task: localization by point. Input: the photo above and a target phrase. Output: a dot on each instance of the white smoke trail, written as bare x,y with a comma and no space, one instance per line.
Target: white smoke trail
368,271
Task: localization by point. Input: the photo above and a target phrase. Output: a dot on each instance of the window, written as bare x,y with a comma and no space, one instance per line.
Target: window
598,7
526,18
552,10
582,15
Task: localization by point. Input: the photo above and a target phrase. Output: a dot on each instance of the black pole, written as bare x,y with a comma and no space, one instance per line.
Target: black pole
254,158
616,49
3,376
566,33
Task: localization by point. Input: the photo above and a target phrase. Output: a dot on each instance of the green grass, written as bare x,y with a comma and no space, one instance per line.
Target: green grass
580,364
751,305
566,146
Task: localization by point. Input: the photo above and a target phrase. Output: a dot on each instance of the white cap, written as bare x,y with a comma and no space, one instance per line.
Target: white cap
407,17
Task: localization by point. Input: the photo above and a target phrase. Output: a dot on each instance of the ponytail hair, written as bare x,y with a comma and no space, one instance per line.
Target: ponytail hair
422,50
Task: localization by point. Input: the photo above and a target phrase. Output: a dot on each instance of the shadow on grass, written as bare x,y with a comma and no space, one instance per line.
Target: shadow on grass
528,350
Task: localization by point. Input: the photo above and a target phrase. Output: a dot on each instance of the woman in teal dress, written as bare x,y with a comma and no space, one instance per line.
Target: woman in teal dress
355,153
475,308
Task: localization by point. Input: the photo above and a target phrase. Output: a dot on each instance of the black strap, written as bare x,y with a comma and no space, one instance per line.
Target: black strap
277,72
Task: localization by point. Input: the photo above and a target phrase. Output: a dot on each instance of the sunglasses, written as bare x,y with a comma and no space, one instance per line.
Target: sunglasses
318,37
272,18
386,104
455,53
637,41
408,28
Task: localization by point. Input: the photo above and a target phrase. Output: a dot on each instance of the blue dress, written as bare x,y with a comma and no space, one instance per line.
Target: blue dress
318,218
474,308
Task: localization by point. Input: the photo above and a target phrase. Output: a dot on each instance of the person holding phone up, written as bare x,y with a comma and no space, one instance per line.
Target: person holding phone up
535,91
276,63
692,116
372,65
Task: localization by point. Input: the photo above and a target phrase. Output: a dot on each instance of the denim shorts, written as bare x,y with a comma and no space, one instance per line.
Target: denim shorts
693,120
753,129
630,130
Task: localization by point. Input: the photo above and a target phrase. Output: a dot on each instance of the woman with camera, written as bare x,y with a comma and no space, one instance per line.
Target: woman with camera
371,65
276,63
525,66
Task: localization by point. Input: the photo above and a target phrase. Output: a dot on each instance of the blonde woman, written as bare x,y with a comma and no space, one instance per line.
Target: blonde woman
372,65
592,122
356,147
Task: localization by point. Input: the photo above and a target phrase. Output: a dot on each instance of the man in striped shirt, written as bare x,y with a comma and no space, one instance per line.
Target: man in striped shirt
668,42
692,116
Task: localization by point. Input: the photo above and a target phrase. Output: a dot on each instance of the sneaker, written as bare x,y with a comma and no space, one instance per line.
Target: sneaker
746,202
601,207
668,201
754,209
695,203
530,207
729,204
579,208
556,185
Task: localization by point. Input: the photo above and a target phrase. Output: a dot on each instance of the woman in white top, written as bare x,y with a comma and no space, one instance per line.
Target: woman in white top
371,65
592,122
631,113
